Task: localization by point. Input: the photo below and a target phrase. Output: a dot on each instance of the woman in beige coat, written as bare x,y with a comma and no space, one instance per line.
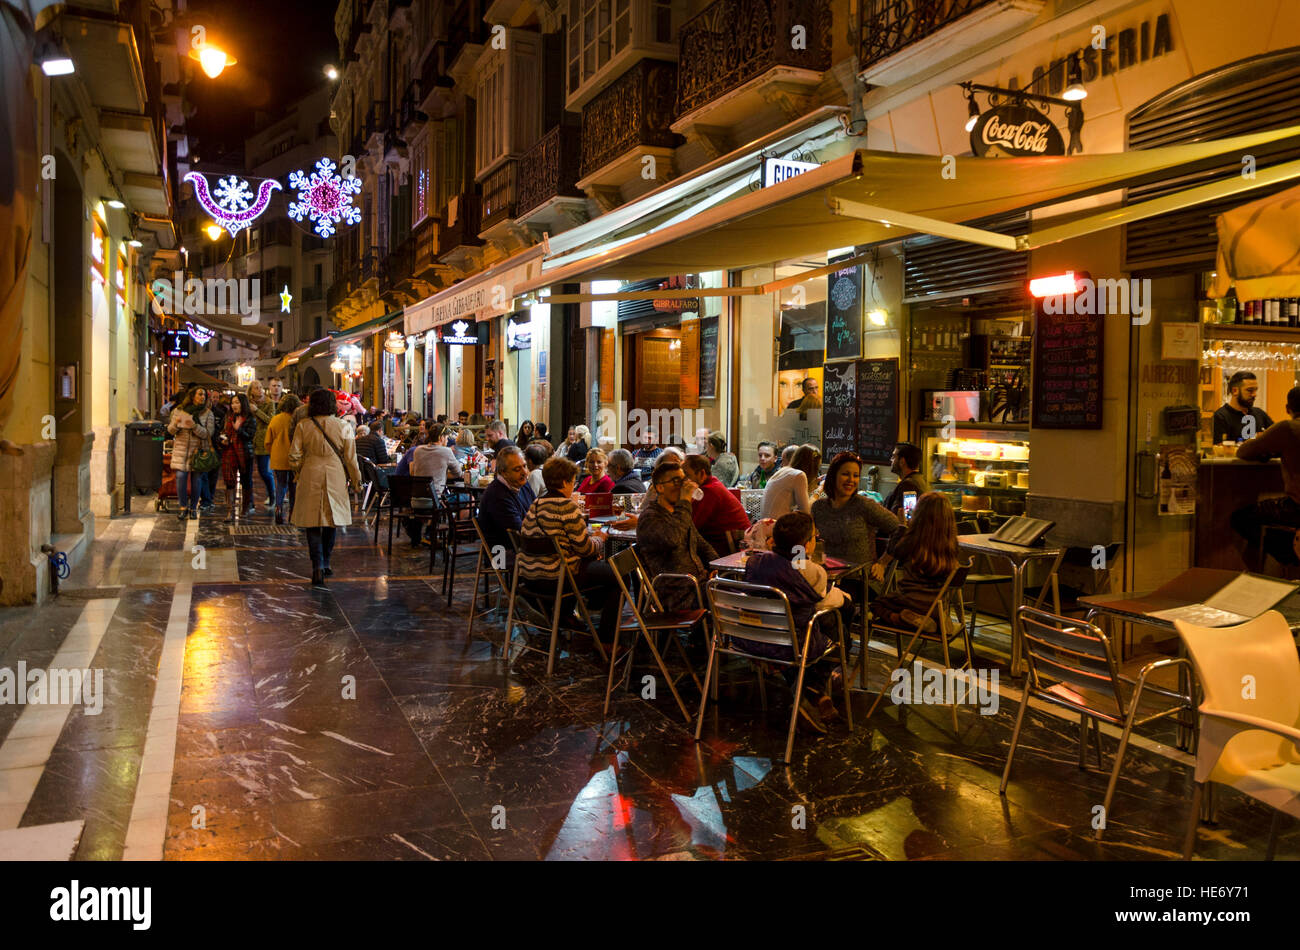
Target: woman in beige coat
322,479
191,427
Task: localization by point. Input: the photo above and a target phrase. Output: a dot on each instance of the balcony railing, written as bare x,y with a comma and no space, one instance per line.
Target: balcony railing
734,41
396,267
369,265
378,118
500,194
409,111
550,168
463,232
636,109
426,250
892,25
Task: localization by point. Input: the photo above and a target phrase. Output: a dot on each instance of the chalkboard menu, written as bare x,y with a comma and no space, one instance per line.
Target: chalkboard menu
689,334
1067,370
709,358
844,314
839,410
876,401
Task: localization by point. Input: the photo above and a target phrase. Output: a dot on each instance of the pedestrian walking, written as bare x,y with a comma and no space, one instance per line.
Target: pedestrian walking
325,466
191,429
279,443
237,454
263,410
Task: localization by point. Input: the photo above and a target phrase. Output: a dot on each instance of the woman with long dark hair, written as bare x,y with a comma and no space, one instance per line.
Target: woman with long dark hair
525,433
191,427
324,463
237,454
926,552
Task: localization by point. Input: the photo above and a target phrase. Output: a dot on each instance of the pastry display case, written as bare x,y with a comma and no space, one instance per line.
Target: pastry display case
984,467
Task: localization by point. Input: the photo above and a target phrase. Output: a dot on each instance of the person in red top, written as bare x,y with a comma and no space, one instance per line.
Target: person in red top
596,482
718,512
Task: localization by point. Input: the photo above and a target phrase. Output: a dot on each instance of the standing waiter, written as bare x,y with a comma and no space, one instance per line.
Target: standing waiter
1231,419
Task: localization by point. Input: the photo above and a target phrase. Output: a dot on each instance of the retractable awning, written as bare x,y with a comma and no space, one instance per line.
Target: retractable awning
870,197
363,330
309,352
1259,248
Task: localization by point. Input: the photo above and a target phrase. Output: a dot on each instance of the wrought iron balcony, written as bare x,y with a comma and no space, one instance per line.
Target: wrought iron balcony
550,168
410,113
734,41
396,267
500,194
368,266
378,117
636,109
425,265
889,26
463,232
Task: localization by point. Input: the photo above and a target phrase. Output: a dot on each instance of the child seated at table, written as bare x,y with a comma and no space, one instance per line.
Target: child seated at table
926,552
789,568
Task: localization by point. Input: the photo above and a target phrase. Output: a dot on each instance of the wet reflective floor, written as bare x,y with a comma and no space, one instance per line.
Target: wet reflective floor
246,715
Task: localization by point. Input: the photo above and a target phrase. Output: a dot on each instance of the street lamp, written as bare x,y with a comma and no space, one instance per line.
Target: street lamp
213,59
331,72
213,232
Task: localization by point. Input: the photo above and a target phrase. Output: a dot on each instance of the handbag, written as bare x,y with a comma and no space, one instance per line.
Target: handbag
337,451
207,459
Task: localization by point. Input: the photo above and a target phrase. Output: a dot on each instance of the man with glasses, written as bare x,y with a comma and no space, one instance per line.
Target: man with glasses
668,541
507,499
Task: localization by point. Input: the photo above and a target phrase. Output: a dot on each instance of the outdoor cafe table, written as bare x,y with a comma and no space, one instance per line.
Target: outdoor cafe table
1018,556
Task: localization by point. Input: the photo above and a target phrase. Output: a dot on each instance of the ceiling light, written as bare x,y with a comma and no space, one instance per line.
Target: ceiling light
56,64
878,317
1074,91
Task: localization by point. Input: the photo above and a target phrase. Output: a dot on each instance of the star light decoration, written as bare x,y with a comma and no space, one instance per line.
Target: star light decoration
232,203
324,198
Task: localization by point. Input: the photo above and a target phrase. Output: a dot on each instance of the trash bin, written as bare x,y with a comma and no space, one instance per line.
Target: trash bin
144,446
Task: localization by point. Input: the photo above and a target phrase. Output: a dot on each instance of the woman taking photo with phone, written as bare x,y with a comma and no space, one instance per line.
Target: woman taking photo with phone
926,552
191,427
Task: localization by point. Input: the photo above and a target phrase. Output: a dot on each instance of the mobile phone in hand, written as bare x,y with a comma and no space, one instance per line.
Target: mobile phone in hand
909,505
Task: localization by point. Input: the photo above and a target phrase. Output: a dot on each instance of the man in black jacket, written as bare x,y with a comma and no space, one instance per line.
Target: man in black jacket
626,481
371,446
905,464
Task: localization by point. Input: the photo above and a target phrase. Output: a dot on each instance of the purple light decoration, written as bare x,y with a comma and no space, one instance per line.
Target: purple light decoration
324,198
232,207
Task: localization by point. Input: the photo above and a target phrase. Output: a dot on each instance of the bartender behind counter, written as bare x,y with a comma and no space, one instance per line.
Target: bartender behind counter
1230,423
1281,439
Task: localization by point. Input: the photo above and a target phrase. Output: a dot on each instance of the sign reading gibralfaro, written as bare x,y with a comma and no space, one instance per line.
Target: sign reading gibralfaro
1015,130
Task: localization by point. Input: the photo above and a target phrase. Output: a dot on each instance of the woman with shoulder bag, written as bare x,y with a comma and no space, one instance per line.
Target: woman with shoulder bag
192,455
324,463
237,440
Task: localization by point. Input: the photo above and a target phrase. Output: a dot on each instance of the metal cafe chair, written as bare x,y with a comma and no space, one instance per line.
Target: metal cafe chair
1077,659
743,613
752,500
649,618
402,491
486,571
539,601
455,529
944,633
1249,743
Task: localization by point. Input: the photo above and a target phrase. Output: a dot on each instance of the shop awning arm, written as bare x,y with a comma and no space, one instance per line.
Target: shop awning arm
890,217
1162,205
750,290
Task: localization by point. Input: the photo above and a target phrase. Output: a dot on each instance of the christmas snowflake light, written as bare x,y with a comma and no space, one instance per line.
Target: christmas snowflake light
232,203
324,198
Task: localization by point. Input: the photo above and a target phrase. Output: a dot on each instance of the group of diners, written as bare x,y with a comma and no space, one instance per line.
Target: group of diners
688,518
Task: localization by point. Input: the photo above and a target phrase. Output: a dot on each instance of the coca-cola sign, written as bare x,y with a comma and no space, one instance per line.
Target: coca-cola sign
1014,130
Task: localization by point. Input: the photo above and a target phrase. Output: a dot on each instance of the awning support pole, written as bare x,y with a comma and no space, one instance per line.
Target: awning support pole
915,222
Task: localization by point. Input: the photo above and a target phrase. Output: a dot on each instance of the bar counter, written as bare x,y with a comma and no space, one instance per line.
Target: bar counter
1222,486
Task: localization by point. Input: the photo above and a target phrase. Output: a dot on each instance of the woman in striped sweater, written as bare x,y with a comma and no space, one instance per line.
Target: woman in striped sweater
556,515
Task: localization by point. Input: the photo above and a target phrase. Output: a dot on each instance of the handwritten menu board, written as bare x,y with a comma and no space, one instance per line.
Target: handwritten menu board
709,358
607,365
844,314
1067,370
689,333
839,410
877,409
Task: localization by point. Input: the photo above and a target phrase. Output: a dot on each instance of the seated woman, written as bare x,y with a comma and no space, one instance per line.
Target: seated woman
789,568
926,552
596,482
668,542
538,451
789,488
556,515
717,512
846,521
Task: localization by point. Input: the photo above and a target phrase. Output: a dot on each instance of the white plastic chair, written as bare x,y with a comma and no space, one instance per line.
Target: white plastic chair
1250,719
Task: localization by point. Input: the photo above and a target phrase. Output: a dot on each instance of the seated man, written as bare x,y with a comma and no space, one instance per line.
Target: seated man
620,469
507,499
371,446
717,512
495,437
1282,439
668,542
